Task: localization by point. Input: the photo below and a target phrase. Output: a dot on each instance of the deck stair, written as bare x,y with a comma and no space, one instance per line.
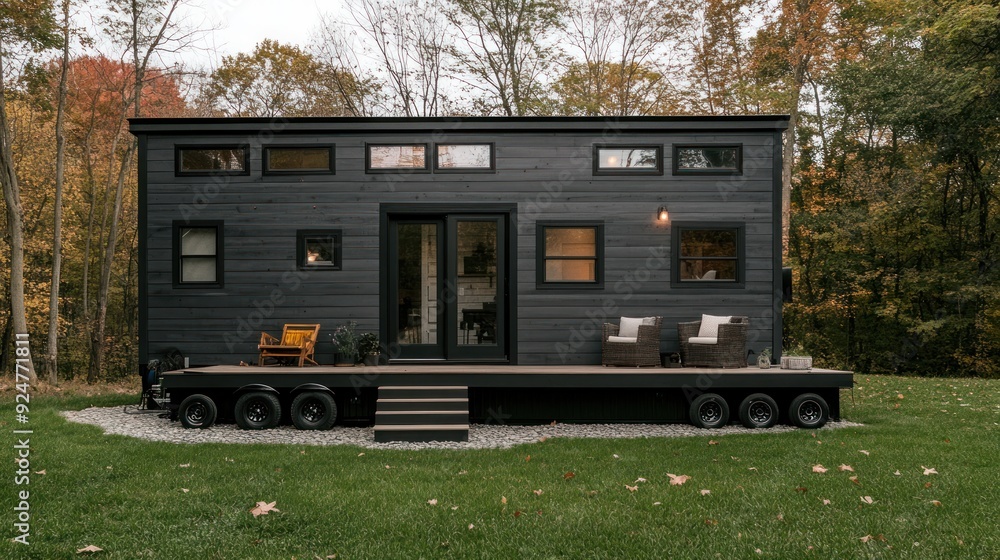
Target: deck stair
422,413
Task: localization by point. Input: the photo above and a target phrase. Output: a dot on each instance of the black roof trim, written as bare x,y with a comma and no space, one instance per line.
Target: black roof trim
216,125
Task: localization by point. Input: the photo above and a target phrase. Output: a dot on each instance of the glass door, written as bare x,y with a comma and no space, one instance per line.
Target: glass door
416,274
477,282
448,287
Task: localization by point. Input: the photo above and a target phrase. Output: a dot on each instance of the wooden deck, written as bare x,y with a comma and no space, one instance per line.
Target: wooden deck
512,376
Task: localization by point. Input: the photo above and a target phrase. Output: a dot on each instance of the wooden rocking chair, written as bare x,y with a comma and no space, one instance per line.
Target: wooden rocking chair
297,344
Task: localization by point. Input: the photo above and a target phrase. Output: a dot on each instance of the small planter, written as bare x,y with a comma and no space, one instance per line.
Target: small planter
796,362
371,360
344,360
764,362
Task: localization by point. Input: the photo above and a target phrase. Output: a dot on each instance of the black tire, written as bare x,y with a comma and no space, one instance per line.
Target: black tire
314,410
809,411
709,411
758,411
258,410
197,411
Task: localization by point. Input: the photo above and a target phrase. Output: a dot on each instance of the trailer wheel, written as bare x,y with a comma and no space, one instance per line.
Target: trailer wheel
709,411
197,411
758,411
314,410
257,410
809,410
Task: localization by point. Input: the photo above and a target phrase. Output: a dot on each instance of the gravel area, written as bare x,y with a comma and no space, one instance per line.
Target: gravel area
151,426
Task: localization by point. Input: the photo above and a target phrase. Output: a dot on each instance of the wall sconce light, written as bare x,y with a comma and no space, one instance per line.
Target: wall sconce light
662,214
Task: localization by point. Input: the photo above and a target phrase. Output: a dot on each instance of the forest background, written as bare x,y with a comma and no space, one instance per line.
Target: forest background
890,176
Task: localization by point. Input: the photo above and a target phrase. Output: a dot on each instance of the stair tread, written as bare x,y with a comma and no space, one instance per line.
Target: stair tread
417,427
442,399
426,387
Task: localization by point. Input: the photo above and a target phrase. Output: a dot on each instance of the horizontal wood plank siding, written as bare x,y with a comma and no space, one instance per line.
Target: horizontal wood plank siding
548,175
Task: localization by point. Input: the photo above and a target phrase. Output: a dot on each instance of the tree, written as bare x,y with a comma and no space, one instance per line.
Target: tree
503,50
29,24
274,80
51,350
623,63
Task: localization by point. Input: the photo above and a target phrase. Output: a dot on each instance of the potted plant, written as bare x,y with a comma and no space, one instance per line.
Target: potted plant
345,340
369,349
764,360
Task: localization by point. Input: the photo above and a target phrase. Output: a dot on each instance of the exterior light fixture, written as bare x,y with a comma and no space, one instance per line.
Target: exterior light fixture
662,214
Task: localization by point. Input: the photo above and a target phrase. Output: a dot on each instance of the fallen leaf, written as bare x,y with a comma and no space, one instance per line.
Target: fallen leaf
388,467
528,458
713,442
863,451
538,492
866,538
867,499
616,456
263,508
936,503
927,485
185,465
751,468
453,508
89,548
503,500
711,522
569,475
897,473
819,469
542,439
900,396
826,502
460,473
781,517
640,479
185,490
676,480
517,513
362,454
705,492
631,488
41,472
928,471
471,526
432,502
801,489
759,551
847,468
657,503
854,479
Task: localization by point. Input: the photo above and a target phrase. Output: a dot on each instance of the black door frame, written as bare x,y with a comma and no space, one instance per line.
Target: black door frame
434,211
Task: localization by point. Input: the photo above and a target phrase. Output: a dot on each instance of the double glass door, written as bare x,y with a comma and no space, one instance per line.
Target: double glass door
448,287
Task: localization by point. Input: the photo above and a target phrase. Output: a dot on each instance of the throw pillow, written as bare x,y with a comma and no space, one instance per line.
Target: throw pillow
710,325
629,326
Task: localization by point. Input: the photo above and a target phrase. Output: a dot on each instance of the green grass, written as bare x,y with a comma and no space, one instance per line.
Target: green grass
125,495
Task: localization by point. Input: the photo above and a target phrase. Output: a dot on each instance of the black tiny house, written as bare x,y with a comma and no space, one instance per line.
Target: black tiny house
487,253
464,240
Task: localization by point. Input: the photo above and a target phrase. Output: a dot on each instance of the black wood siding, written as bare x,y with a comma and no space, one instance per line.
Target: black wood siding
547,174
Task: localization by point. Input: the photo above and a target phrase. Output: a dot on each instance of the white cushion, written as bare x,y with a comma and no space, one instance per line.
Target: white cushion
710,325
629,339
629,326
710,275
703,340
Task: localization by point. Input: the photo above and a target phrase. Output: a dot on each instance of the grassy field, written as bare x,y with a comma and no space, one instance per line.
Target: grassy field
748,496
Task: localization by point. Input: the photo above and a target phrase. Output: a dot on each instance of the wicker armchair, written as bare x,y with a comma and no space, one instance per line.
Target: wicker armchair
728,352
644,352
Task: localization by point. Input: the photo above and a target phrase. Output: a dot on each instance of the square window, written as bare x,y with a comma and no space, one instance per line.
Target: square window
298,160
708,254
628,160
198,254
464,157
396,157
319,249
212,160
708,159
570,255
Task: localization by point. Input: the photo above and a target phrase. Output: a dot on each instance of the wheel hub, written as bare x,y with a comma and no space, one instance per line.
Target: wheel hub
760,412
196,412
313,411
257,411
710,412
809,411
